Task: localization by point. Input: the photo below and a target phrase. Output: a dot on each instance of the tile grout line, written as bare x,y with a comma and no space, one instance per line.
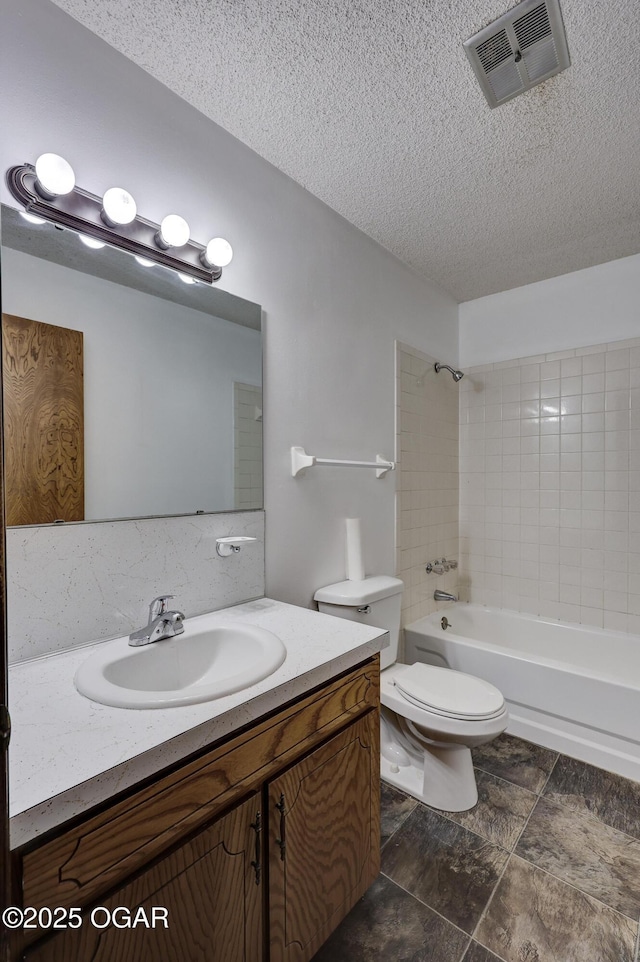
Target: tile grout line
468,946
494,954
506,781
535,805
427,906
430,907
491,897
551,771
563,882
509,852
475,831
512,852
465,828
411,895
398,827
538,795
472,938
443,814
575,888
588,814
551,874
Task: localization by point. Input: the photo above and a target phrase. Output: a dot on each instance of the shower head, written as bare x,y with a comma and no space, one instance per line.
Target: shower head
456,375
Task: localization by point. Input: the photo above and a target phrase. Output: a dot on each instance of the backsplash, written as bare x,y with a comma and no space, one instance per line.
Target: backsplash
69,585
550,485
427,484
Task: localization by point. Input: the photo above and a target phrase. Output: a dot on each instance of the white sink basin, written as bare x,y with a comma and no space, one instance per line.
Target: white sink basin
207,661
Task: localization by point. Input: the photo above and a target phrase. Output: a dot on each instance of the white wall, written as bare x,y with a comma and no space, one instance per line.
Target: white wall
588,307
334,300
158,388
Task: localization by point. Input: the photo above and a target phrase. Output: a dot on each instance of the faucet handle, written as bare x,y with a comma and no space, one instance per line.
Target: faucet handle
158,606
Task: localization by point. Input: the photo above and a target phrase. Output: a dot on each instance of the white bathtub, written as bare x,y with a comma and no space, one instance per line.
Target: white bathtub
569,687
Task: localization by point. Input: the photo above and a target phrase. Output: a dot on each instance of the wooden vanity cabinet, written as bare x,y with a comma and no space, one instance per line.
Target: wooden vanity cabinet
324,816
258,848
207,886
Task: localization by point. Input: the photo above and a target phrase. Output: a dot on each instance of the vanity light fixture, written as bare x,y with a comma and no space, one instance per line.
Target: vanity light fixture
174,232
91,242
54,176
48,191
218,253
118,207
31,218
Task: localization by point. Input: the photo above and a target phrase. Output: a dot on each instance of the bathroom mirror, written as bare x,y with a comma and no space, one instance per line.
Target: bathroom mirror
127,390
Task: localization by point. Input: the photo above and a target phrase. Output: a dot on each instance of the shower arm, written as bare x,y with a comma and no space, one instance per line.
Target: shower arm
456,375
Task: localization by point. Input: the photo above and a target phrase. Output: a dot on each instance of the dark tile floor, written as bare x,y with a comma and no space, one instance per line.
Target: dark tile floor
545,868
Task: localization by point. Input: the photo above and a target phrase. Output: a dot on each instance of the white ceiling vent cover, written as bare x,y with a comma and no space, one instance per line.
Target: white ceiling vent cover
519,50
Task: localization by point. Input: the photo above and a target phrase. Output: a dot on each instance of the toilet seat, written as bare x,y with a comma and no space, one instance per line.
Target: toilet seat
450,694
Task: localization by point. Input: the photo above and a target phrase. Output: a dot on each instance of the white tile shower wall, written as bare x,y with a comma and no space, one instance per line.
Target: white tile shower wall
550,485
72,584
247,446
427,483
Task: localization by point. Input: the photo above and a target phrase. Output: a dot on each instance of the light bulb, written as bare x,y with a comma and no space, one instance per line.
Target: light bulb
32,217
219,253
118,207
144,261
186,279
54,176
174,232
91,242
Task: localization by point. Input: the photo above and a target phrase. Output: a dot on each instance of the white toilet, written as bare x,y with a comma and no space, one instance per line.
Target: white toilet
431,717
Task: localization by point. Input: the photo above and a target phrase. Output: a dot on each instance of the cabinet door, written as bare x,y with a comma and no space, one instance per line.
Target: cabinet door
43,421
324,839
212,890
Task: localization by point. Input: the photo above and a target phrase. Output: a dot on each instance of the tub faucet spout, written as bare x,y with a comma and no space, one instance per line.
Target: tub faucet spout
439,595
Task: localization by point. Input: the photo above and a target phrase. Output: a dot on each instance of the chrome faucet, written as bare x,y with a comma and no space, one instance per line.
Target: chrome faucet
162,623
443,596
440,566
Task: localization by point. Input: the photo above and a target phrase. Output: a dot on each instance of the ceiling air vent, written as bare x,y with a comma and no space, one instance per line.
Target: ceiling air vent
519,50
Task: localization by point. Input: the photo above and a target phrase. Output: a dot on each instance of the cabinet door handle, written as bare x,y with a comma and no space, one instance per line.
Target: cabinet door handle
282,841
257,864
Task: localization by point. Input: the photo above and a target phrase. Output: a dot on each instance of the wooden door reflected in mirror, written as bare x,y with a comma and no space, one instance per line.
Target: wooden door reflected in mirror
43,420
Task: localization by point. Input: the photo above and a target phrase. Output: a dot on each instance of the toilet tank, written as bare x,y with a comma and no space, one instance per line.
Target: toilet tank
373,601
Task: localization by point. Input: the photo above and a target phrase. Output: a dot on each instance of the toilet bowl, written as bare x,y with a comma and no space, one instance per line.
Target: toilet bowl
434,717
431,717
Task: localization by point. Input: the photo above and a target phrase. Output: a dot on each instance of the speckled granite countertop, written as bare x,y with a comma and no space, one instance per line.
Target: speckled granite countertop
68,754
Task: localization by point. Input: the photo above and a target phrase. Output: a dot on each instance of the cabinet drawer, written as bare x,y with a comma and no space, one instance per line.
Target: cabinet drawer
90,858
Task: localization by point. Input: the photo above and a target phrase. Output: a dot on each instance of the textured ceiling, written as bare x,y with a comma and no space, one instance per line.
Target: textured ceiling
374,108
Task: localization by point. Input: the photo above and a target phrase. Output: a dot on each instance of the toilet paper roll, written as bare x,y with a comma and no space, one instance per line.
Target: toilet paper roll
355,566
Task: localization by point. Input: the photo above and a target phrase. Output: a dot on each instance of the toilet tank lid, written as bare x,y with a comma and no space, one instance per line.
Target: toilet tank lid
354,593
